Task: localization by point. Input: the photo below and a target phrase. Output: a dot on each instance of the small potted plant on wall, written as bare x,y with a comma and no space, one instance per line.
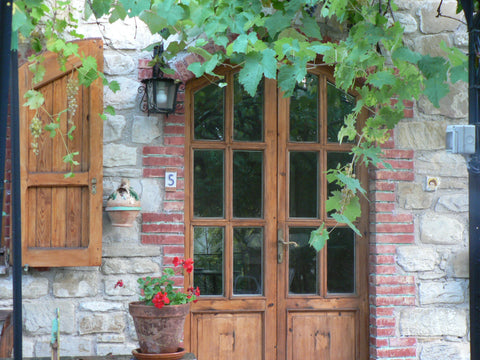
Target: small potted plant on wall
159,316
123,205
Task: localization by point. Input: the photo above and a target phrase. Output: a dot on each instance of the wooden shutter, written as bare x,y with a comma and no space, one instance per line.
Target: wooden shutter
62,217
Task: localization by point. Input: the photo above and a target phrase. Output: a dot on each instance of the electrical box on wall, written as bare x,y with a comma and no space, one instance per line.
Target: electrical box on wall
460,139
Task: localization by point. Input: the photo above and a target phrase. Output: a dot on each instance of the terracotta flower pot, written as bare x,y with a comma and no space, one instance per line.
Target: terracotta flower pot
159,330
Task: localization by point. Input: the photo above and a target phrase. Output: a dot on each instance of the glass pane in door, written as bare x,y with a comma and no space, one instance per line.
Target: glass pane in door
302,262
304,110
339,105
247,261
208,245
247,184
208,183
208,113
341,261
303,185
248,113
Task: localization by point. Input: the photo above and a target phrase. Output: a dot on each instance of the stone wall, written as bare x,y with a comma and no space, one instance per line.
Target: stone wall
419,243
418,271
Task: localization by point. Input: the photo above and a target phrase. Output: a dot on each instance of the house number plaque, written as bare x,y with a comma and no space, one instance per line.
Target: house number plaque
170,180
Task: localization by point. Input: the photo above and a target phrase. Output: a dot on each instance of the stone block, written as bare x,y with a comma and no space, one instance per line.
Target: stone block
101,306
431,24
115,249
433,322
33,287
436,274
28,347
118,64
152,195
75,284
129,288
454,183
454,106
411,135
453,203
69,346
146,128
437,350
417,258
113,127
125,98
459,264
412,196
102,323
111,338
119,155
440,230
408,22
129,266
440,163
123,172
439,292
461,36
6,288
38,316
430,44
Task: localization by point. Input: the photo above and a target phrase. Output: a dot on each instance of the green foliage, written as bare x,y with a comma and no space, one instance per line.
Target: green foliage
279,40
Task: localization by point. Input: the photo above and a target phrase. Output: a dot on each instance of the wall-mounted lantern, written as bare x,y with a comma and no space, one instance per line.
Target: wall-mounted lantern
159,93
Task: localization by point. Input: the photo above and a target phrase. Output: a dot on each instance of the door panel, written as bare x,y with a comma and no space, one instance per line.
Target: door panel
236,335
256,189
326,335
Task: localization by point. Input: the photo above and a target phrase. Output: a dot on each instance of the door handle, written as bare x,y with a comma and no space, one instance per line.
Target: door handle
281,244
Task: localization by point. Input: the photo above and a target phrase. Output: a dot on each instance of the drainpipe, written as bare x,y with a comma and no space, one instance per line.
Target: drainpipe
473,22
16,211
9,75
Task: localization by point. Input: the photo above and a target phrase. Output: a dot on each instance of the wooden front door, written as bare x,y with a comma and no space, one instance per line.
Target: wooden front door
256,188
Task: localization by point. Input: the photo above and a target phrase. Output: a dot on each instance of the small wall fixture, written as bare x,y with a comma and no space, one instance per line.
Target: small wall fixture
159,93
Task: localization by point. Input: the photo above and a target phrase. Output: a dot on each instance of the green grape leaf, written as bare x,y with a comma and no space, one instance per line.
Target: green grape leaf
344,220
251,73
318,238
34,98
435,90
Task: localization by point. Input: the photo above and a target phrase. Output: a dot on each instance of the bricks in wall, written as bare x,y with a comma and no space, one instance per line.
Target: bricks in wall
389,289
167,227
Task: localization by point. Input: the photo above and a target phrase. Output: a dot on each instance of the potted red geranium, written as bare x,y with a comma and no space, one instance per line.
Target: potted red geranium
159,316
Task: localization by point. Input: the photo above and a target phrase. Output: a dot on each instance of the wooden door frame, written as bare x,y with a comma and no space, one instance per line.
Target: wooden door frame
269,218
271,246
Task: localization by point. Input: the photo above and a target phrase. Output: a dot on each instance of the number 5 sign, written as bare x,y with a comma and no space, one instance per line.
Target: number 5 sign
170,180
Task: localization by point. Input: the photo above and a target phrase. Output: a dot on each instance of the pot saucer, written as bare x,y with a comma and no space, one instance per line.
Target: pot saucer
164,356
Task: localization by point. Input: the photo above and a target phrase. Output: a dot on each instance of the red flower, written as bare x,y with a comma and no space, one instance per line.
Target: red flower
188,265
197,291
176,261
119,284
160,299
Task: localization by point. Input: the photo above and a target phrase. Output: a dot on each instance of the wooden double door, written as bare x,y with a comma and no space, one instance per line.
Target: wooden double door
255,189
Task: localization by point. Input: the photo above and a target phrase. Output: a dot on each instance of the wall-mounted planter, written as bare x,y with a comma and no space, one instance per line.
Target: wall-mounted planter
123,205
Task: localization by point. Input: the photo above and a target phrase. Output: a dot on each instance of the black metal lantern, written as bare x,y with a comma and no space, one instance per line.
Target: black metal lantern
159,93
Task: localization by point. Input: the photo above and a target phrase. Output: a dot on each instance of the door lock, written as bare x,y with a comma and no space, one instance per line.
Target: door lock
281,244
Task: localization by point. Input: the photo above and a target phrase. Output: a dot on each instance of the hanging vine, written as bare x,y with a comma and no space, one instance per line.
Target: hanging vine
275,39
